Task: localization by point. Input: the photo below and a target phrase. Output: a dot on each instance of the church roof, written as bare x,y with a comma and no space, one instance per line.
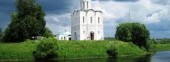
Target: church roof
87,10
64,33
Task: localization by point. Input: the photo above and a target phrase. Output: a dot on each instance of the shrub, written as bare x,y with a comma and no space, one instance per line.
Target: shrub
46,49
151,46
112,50
118,48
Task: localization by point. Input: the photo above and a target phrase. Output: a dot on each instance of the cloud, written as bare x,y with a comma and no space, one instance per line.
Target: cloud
153,13
162,2
119,0
127,0
58,23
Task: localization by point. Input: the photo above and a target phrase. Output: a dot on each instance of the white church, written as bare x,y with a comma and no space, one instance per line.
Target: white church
87,23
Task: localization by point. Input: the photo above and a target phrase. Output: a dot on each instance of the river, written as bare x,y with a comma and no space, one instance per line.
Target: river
163,56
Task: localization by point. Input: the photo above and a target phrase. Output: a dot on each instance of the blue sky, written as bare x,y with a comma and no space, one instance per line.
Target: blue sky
155,14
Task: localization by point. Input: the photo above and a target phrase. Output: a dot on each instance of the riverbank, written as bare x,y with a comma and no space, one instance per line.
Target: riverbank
70,49
163,47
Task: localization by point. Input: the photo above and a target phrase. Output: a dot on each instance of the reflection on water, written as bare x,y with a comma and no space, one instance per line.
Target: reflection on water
123,59
158,57
161,57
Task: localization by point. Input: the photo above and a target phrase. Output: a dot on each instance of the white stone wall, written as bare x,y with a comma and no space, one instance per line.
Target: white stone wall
84,22
63,37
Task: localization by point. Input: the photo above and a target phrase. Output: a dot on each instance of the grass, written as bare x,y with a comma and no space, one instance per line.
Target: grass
16,51
162,47
69,49
127,49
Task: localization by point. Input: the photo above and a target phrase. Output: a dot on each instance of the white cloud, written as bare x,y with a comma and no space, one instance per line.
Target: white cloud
58,23
145,11
111,9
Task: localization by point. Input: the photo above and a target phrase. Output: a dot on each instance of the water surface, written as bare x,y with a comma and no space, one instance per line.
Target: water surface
163,56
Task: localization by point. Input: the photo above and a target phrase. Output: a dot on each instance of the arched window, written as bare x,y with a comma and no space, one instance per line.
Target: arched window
98,19
91,20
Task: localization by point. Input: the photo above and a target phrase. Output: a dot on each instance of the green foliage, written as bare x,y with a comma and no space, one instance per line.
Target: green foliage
82,49
162,47
27,22
17,51
140,35
117,48
48,33
135,32
112,50
46,49
163,41
1,34
124,32
68,49
151,46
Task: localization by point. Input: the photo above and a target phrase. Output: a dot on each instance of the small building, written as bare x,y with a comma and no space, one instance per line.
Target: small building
66,35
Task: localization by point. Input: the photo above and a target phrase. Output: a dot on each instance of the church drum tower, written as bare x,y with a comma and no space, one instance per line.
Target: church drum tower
87,23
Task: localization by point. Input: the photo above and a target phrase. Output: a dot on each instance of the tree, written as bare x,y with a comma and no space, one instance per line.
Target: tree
140,35
124,32
135,32
48,33
1,33
27,22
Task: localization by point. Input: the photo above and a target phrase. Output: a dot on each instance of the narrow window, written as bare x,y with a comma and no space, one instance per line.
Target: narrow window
83,4
98,19
83,19
83,32
91,19
87,4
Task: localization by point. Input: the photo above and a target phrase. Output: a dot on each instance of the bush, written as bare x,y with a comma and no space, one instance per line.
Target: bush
112,50
46,49
151,46
135,32
117,48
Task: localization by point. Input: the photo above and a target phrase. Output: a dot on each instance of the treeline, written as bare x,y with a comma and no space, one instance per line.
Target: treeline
161,41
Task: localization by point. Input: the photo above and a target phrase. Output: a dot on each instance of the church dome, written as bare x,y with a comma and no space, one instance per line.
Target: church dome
65,33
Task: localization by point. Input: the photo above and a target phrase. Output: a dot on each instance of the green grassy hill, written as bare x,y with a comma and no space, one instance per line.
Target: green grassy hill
70,49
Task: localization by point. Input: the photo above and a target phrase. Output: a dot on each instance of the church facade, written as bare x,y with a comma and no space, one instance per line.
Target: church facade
87,23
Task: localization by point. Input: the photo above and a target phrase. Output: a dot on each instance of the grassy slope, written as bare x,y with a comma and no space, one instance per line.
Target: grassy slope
68,49
16,50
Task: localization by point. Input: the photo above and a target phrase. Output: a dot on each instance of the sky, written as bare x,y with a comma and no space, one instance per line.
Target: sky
155,14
